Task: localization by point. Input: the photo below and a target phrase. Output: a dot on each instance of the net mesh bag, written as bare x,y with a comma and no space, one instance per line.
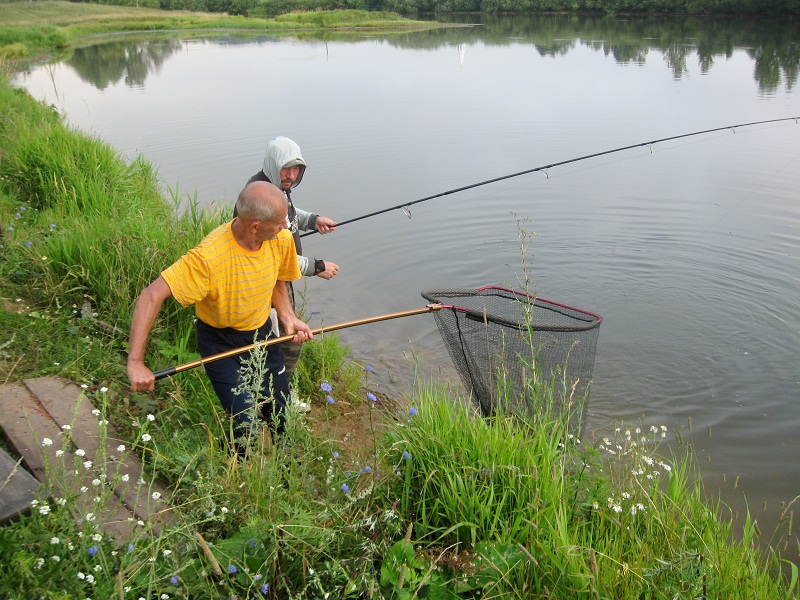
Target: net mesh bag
506,345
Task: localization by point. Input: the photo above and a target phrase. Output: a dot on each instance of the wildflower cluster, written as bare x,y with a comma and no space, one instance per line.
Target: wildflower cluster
365,473
81,557
359,483
144,438
19,217
632,468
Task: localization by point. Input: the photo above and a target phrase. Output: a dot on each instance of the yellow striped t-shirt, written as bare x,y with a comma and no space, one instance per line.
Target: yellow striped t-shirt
231,286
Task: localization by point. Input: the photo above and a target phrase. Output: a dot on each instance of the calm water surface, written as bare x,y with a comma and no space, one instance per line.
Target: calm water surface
688,248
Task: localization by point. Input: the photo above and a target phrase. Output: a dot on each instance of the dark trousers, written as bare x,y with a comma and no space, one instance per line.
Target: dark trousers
291,352
224,376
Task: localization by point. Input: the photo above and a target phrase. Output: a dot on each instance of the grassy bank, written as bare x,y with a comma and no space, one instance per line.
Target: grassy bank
436,503
38,28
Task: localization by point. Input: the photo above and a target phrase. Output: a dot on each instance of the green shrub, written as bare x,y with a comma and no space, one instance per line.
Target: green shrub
33,37
12,51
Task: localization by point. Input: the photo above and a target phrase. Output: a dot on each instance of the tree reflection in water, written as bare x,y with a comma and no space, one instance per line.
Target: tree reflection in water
771,44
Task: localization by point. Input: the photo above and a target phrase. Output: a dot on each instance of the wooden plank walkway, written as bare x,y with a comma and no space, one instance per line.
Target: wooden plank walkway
17,488
39,408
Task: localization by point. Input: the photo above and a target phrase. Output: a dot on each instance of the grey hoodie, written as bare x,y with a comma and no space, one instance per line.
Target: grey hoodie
282,153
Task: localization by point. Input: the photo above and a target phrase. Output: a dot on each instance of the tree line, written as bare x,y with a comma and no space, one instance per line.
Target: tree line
271,8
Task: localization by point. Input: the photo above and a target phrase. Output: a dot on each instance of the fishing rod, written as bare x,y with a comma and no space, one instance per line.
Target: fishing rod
405,206
228,353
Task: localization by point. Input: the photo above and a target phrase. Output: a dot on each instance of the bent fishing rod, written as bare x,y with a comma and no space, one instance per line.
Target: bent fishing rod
405,206
285,338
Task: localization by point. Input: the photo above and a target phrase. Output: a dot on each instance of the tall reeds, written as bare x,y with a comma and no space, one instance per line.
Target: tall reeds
90,225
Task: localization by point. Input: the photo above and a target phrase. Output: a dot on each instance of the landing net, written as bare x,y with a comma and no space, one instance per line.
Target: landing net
507,345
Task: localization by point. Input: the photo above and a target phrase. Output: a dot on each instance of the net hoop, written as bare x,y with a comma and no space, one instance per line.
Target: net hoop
504,343
589,320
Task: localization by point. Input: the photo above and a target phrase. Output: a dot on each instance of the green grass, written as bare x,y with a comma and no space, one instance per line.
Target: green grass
90,227
333,19
454,506
539,514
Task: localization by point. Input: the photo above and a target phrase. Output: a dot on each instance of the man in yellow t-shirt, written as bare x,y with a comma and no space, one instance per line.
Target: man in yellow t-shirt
233,277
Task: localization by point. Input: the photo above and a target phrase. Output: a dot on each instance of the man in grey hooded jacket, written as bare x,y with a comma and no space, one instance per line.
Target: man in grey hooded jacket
284,167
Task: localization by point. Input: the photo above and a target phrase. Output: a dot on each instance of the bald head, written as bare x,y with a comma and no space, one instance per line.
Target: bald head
260,201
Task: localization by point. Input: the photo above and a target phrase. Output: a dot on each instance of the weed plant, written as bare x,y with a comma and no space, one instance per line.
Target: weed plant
475,509
525,510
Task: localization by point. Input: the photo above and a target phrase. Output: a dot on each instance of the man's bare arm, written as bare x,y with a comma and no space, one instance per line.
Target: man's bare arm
291,324
144,315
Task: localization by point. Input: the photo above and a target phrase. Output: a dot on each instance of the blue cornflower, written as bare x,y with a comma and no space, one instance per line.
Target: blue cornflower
28,244
367,469
326,387
93,550
406,455
174,580
264,588
345,488
330,400
368,368
11,229
252,542
232,569
19,216
335,454
22,208
52,225
413,411
130,548
371,397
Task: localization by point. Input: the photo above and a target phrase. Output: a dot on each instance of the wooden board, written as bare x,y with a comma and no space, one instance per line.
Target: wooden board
26,424
40,409
67,405
17,488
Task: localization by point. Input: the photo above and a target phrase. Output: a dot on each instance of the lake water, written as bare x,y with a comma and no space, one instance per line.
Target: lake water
688,248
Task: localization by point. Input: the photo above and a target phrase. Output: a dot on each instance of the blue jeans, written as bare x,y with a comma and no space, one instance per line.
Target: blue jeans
224,376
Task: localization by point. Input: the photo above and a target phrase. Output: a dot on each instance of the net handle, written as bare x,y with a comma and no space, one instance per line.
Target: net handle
285,338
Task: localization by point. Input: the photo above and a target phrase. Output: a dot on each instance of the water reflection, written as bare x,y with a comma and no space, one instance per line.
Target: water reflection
680,42
130,60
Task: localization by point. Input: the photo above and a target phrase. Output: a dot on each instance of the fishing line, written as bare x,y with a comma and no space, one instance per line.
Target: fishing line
727,213
406,206
750,195
548,176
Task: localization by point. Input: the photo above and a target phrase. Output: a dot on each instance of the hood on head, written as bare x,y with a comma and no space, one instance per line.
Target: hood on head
282,153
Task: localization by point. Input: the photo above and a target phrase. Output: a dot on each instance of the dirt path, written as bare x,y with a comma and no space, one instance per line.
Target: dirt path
355,427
